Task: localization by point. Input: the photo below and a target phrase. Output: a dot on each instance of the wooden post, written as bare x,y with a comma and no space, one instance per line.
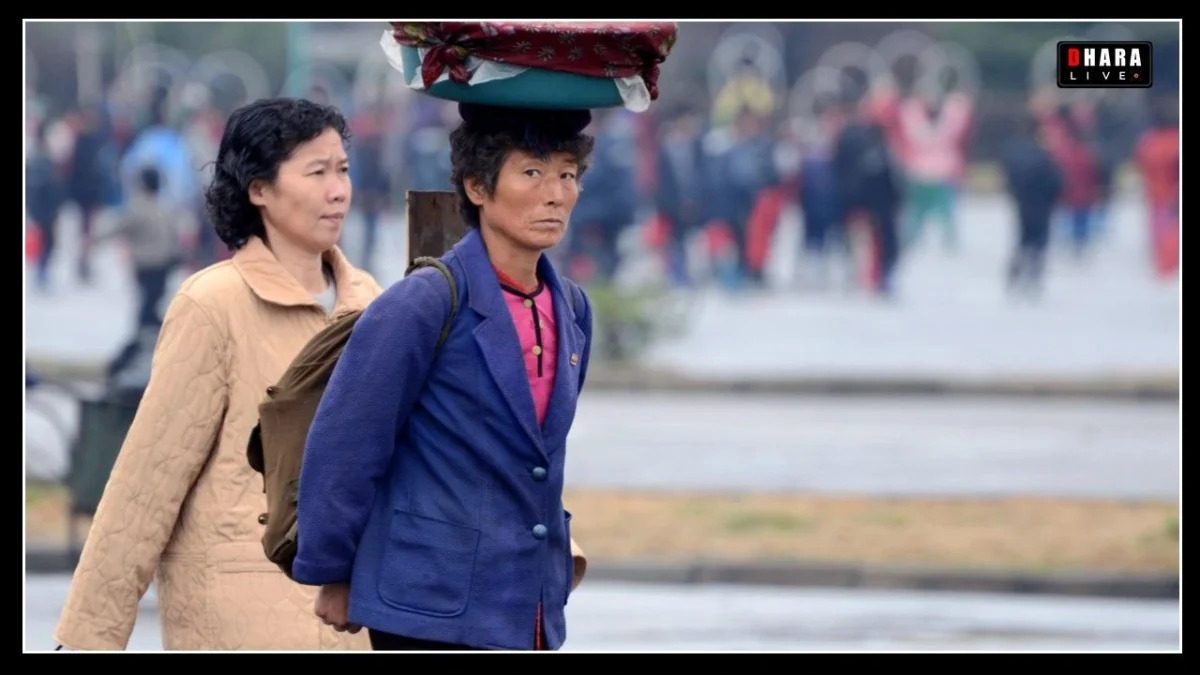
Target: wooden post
434,225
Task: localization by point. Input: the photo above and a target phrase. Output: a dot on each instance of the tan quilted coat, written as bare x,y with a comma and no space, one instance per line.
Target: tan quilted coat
182,502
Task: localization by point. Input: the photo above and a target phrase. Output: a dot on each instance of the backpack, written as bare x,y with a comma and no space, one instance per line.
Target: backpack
276,445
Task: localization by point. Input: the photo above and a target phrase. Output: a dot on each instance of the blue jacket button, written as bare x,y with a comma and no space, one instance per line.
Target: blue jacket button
539,474
539,531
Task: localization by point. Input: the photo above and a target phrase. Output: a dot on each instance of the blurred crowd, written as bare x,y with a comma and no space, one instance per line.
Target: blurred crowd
704,183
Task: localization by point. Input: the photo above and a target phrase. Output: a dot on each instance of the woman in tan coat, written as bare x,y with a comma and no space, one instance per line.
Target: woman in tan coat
182,504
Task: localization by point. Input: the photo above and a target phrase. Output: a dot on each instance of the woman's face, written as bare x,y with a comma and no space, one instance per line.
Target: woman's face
309,200
533,199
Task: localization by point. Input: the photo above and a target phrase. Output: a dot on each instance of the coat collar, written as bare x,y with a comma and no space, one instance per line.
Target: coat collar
499,345
272,283
483,286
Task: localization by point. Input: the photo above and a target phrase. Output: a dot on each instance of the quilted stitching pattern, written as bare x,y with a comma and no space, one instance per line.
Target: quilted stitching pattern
182,503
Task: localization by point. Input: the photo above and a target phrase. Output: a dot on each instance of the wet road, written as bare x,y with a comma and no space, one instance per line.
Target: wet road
626,617
931,446
880,446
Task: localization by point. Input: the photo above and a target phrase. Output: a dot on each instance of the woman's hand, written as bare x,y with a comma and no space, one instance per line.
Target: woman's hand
333,607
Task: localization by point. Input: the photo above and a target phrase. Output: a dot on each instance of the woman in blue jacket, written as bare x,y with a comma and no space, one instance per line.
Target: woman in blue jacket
430,501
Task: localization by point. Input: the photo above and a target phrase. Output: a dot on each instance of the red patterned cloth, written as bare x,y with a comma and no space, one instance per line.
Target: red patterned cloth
613,50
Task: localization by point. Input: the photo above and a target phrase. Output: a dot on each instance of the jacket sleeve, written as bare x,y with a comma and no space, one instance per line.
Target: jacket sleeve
168,443
585,323
374,385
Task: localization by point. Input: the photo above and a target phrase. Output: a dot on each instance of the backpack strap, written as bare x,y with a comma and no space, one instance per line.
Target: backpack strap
426,261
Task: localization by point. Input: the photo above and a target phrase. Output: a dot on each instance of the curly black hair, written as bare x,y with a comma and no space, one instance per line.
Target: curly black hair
480,145
258,138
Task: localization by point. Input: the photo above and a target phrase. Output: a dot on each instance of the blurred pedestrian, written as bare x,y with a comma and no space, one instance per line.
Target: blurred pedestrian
45,194
682,198
933,131
608,203
151,228
182,502
747,171
869,185
1035,184
1157,156
372,181
1080,167
824,235
87,181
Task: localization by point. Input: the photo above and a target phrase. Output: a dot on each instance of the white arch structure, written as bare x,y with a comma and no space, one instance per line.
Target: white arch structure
130,85
324,74
906,42
940,57
238,64
141,65
817,82
851,56
732,45
197,85
1119,98
1043,73
1110,32
878,64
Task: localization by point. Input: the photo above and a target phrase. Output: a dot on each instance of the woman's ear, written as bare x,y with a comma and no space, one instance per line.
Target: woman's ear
257,192
475,191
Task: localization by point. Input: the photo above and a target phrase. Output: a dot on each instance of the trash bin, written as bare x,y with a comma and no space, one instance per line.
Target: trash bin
104,421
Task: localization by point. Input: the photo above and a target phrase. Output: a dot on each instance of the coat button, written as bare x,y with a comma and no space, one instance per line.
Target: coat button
574,359
539,531
262,519
528,303
539,474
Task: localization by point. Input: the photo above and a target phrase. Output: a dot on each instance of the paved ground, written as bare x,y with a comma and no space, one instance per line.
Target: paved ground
625,617
952,320
876,446
859,445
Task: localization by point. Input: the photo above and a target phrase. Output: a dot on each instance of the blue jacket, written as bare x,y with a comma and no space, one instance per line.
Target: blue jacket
427,484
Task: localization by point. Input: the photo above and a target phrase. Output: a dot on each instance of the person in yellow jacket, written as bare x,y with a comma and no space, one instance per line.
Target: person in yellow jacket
746,88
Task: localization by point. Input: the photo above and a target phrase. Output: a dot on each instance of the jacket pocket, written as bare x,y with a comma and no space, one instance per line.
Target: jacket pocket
428,565
252,605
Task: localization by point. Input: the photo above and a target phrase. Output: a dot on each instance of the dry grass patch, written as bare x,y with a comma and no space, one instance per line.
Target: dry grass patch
1031,533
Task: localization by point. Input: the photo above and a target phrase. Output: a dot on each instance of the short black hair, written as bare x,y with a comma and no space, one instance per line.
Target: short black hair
258,138
487,135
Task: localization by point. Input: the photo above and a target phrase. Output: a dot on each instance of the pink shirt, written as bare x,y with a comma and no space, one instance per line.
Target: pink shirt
533,317
934,148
